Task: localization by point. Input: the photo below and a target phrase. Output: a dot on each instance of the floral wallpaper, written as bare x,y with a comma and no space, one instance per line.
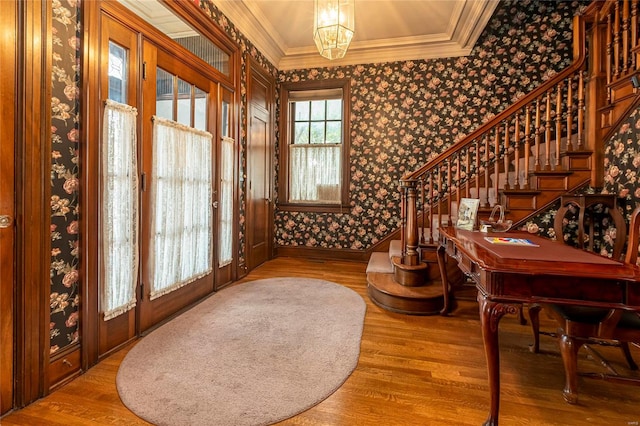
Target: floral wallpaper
622,164
604,231
622,167
403,113
65,121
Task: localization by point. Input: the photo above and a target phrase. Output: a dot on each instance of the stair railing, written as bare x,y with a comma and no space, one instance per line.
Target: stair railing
526,137
535,128
622,42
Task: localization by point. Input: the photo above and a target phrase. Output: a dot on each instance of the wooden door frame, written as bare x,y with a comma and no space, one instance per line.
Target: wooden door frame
9,54
33,165
229,273
255,70
91,131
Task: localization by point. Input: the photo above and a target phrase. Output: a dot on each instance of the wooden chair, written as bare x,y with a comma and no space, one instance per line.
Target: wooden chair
579,325
584,203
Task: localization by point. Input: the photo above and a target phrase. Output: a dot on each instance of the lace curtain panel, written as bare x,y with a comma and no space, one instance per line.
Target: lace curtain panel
181,228
225,210
119,210
315,173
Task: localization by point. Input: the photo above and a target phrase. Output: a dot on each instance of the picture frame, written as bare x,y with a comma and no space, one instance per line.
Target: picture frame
467,213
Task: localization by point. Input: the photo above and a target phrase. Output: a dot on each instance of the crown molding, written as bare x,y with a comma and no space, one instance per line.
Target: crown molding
259,32
468,20
474,19
378,54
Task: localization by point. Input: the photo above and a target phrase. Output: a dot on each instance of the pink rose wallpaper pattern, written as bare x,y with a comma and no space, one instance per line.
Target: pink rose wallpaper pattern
403,113
65,137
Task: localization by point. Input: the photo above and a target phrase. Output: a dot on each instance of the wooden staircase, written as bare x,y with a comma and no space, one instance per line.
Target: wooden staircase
543,146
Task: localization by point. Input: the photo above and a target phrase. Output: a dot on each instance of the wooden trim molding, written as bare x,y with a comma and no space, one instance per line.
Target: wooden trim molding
322,253
33,167
90,131
285,134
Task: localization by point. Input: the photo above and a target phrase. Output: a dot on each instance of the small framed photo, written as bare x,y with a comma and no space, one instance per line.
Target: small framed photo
467,213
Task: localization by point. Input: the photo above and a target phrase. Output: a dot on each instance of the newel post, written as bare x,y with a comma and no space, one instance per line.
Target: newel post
596,96
409,227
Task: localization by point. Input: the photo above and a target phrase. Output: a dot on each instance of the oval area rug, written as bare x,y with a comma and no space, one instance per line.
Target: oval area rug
253,354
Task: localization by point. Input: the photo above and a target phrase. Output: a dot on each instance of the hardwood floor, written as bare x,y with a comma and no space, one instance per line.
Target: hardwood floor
412,371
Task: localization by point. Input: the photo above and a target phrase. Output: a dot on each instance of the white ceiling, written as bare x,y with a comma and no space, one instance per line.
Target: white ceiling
386,30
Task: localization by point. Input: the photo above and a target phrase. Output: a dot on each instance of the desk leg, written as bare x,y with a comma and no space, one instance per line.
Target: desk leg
490,315
442,264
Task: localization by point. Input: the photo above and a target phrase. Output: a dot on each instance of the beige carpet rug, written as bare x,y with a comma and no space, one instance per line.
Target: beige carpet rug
252,354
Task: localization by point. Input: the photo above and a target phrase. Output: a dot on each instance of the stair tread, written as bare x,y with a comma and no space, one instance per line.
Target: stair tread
379,262
386,284
395,248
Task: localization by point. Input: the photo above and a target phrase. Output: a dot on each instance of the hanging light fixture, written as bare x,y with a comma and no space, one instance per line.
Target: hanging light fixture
333,27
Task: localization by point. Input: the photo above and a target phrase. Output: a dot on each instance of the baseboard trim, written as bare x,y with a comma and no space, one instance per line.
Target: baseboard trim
322,253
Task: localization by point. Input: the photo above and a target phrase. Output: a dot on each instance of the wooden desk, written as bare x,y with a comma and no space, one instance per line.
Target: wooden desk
553,272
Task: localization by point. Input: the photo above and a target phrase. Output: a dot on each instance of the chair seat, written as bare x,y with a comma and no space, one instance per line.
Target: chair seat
588,315
580,325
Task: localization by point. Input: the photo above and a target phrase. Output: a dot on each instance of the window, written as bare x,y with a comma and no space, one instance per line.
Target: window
315,148
203,48
225,211
188,107
118,59
181,186
119,179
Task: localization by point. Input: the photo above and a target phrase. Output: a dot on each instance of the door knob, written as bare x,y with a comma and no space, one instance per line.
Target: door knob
5,221
215,204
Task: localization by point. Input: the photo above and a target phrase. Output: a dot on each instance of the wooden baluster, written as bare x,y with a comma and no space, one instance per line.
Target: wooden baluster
506,155
527,144
538,133
580,110
616,41
449,193
487,147
634,34
457,180
626,19
439,195
477,171
496,164
424,209
431,230
516,149
556,163
403,215
570,114
609,56
547,133
467,174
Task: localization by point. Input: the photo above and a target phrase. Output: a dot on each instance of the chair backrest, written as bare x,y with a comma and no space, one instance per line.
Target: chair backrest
614,212
634,236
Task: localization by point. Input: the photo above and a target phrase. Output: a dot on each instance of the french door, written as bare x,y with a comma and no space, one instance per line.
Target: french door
119,75
157,202
177,158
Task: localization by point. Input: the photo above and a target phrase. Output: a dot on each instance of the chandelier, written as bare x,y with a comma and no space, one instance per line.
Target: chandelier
333,26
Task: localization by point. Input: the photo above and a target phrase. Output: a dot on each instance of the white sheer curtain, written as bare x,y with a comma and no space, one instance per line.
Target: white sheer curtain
225,210
119,209
315,173
181,226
